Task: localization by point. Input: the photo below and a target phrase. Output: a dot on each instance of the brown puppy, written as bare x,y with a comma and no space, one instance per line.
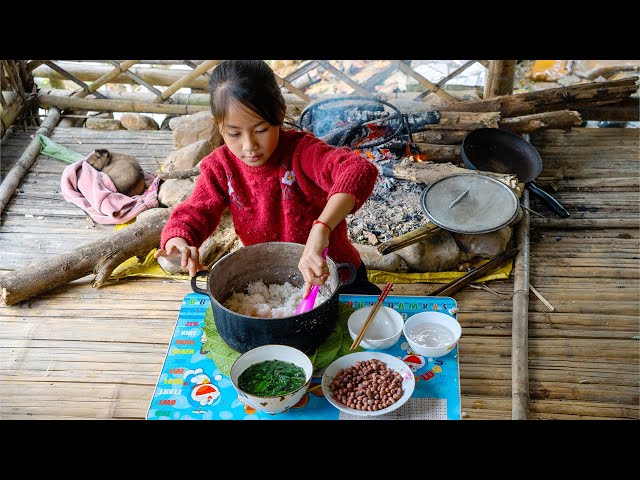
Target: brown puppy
123,170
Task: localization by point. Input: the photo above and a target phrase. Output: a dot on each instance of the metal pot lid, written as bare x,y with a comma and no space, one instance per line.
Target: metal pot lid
469,203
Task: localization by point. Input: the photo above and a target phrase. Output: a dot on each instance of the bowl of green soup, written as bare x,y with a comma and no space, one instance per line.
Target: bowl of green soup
271,378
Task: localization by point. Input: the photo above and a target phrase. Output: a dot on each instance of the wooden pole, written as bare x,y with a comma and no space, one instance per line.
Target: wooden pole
500,78
20,169
117,105
520,324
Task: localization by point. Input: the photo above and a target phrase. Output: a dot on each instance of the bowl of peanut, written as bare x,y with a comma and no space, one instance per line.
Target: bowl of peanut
368,383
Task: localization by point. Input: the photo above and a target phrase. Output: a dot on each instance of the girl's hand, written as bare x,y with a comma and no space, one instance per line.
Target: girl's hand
178,250
313,267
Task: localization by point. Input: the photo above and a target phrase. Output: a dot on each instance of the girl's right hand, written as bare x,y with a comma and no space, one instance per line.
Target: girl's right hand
177,249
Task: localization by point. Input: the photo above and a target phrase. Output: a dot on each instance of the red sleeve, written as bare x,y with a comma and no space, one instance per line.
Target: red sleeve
337,170
197,217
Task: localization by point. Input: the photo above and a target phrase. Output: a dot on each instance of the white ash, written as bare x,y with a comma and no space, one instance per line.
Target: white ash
269,301
393,209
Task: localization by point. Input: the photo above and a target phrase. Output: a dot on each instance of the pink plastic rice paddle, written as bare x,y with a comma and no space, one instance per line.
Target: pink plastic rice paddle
307,303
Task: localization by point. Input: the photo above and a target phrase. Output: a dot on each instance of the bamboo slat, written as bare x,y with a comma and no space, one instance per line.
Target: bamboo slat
407,70
199,70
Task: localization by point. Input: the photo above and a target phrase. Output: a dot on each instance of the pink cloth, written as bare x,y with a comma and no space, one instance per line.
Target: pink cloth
94,192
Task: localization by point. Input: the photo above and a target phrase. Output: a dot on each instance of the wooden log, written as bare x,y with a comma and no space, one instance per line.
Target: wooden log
440,153
500,78
561,119
117,105
463,120
440,137
20,169
573,97
519,331
626,110
429,172
101,256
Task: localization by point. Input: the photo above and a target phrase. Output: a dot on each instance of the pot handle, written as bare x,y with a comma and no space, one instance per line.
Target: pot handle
196,288
352,273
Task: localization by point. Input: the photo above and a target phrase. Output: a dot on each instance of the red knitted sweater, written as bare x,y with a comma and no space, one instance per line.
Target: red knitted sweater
277,201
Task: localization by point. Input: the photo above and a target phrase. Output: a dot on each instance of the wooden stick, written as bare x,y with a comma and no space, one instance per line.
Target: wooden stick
452,287
372,315
520,321
541,298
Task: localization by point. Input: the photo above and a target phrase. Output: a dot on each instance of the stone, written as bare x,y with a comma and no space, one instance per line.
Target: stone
199,126
188,157
374,260
137,121
103,124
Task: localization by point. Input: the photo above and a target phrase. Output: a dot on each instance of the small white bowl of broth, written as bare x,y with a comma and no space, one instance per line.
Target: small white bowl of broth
271,378
432,334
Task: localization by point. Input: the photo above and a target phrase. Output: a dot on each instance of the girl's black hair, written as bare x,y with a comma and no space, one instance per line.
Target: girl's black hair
250,82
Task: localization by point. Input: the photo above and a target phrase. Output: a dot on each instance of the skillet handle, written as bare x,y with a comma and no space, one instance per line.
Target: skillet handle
194,287
408,238
551,202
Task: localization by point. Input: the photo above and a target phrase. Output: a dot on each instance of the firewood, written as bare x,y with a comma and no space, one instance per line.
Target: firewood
100,256
573,97
429,172
561,119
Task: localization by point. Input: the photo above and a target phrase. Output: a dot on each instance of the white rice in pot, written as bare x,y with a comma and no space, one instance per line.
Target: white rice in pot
269,301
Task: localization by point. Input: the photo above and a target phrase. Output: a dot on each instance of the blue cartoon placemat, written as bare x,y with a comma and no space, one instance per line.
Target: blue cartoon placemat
191,387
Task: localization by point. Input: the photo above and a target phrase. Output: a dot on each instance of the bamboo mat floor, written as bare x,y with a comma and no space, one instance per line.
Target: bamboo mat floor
81,353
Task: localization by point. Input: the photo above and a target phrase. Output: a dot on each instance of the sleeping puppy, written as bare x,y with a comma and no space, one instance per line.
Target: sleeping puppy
123,170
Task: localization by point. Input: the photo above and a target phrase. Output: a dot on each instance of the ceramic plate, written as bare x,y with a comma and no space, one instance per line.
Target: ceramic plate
394,363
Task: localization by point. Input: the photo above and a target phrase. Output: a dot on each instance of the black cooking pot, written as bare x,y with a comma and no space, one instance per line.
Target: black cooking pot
501,151
272,262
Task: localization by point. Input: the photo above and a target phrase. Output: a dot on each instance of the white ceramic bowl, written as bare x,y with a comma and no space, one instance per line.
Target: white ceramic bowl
384,331
284,353
432,334
394,363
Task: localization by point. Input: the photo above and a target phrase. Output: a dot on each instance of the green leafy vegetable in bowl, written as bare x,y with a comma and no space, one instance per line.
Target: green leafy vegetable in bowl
272,378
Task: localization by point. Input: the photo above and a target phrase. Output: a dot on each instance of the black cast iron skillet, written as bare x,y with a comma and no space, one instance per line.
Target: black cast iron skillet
501,151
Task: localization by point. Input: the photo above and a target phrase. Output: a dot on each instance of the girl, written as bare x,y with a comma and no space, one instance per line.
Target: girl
279,185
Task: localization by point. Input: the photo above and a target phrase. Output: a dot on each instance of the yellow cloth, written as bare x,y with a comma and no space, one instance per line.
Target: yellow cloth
380,276
150,268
